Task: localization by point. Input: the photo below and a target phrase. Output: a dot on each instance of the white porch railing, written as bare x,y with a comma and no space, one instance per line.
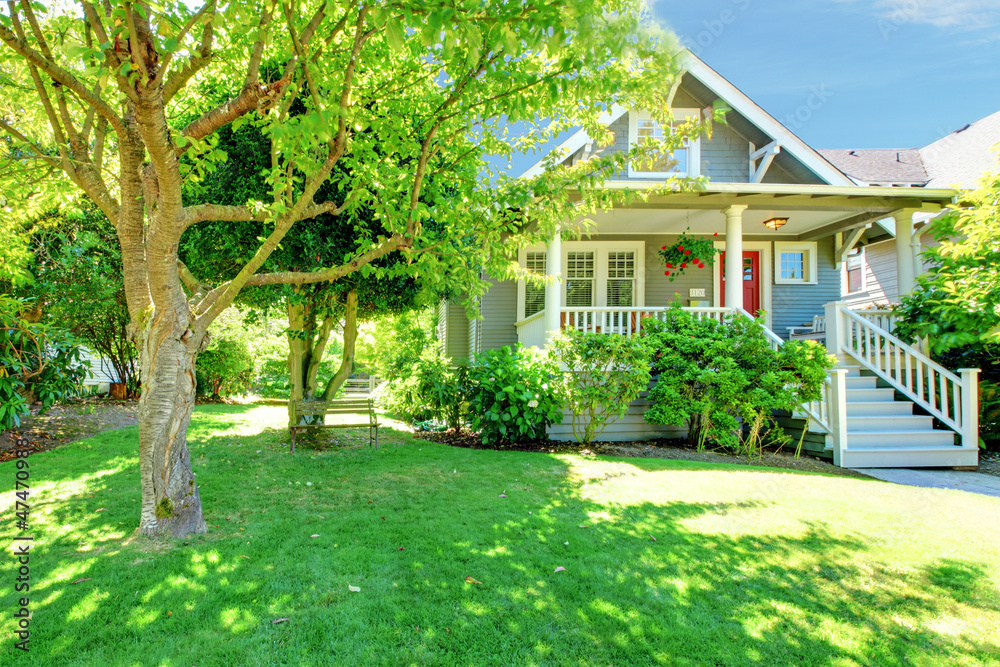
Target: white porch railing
622,321
361,385
952,398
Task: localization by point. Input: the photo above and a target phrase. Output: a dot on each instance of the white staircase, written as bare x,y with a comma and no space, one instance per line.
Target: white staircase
883,432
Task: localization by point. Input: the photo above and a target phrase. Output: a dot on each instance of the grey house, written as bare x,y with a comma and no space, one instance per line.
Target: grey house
787,219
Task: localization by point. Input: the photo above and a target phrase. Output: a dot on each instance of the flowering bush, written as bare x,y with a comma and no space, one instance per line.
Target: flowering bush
689,252
514,394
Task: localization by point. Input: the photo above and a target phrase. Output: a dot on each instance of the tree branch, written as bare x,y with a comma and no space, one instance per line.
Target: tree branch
60,75
161,75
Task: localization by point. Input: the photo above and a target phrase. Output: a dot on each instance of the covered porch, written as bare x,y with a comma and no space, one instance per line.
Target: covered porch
787,242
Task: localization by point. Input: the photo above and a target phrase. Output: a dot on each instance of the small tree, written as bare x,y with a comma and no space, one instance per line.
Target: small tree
78,286
604,375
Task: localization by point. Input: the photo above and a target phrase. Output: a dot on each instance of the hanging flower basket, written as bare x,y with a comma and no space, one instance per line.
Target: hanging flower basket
690,252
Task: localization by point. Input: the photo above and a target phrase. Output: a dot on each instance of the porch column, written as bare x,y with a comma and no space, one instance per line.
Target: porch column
904,252
734,256
553,289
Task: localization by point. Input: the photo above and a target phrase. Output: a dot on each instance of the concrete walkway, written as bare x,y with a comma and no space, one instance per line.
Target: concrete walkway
973,482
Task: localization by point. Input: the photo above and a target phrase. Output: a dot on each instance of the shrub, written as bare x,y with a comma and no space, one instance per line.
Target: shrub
226,367
514,395
604,374
433,390
722,378
36,363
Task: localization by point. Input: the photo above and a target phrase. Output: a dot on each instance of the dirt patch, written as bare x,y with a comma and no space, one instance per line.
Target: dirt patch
659,449
68,422
989,463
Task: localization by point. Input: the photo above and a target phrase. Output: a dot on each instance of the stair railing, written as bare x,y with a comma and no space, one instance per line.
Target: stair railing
952,399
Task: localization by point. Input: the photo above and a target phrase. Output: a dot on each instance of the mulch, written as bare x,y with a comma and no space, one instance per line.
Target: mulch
660,449
66,423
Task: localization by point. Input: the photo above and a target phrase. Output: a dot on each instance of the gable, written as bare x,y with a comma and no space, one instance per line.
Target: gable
724,158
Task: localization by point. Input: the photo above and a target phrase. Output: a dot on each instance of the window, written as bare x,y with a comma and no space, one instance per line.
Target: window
595,274
856,270
682,162
580,279
795,263
621,278
534,295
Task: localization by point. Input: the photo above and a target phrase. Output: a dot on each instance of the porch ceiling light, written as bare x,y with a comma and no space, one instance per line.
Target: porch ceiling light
775,223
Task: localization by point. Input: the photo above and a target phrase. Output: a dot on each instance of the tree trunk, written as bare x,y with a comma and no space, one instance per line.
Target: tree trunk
171,503
350,344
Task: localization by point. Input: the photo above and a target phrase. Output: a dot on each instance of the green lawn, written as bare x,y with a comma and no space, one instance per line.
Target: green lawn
748,566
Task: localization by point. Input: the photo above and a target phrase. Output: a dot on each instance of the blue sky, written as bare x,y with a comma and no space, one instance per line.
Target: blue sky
895,73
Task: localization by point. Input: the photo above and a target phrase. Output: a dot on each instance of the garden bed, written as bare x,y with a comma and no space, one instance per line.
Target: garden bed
68,422
677,450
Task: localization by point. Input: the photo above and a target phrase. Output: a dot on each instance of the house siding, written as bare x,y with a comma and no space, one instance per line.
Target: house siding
456,337
499,311
726,157
796,305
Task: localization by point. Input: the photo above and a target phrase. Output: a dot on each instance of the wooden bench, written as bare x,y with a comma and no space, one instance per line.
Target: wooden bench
341,406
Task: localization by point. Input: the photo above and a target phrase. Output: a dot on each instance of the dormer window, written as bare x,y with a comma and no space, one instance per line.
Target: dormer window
684,161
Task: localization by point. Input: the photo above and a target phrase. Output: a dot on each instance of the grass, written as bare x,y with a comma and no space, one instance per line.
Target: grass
748,566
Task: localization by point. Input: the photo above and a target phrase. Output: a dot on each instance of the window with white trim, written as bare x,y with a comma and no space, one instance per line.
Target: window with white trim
595,274
794,263
685,161
580,278
856,270
534,294
621,279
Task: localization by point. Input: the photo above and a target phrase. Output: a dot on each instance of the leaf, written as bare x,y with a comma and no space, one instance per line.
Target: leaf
559,569
353,589
502,495
652,538
314,535
80,581
283,619
394,35
470,580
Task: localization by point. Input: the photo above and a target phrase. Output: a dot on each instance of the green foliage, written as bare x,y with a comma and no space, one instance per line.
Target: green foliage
989,414
226,367
957,301
37,362
514,395
724,378
389,346
689,251
604,375
78,283
433,389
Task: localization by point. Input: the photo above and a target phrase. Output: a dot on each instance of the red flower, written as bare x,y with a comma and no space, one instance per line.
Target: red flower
663,248
669,265
701,266
666,273
687,252
684,265
696,261
680,247
716,234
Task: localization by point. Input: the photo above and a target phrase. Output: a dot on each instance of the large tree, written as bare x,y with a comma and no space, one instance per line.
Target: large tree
93,94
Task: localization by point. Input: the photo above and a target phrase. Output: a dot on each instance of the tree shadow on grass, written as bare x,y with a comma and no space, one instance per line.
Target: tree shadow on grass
409,523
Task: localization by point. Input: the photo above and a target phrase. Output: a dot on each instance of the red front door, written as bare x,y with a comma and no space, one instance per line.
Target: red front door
751,280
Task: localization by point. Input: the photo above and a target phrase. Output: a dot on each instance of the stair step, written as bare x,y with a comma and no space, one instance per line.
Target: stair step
897,440
909,457
889,423
870,395
861,382
879,408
